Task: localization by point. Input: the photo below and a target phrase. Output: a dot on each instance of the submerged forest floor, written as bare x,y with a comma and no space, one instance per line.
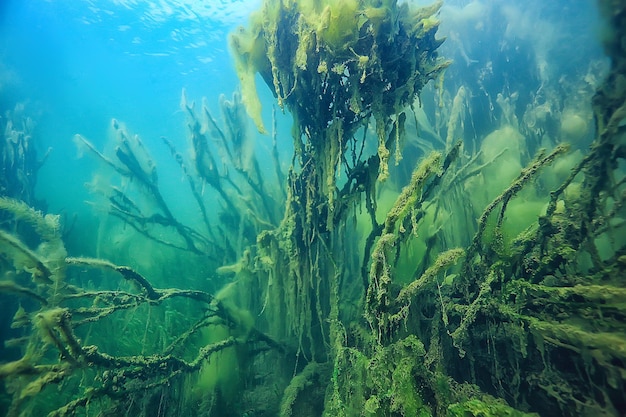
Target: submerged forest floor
393,265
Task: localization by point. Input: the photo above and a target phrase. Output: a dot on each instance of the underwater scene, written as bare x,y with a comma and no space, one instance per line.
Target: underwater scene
312,208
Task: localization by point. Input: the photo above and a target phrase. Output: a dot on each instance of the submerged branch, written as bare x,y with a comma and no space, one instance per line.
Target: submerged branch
13,288
125,271
39,270
526,175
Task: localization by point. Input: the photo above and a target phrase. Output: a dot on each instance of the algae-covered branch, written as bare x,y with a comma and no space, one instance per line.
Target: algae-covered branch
338,62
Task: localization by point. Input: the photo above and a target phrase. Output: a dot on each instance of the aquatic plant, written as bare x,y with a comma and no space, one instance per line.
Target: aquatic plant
20,162
335,66
474,305
61,305
56,311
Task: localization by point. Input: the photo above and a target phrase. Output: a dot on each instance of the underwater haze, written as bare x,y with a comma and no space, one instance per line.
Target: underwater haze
312,208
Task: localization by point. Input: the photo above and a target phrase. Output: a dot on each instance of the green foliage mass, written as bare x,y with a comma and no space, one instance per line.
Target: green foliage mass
383,384
336,61
478,408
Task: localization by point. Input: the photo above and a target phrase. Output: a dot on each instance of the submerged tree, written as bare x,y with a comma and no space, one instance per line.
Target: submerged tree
335,65
490,283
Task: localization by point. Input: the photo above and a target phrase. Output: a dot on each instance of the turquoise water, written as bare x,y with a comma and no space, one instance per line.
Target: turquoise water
77,65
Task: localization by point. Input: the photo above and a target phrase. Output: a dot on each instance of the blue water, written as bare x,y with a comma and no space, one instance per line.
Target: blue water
78,64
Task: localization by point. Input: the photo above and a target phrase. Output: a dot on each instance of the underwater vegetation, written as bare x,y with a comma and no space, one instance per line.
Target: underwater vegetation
19,159
360,279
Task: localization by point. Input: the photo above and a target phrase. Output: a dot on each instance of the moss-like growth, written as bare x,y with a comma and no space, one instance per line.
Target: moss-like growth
386,383
299,389
338,62
335,65
479,408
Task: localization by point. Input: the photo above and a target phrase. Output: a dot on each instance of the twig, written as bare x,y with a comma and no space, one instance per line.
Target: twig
11,287
526,174
41,271
125,271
